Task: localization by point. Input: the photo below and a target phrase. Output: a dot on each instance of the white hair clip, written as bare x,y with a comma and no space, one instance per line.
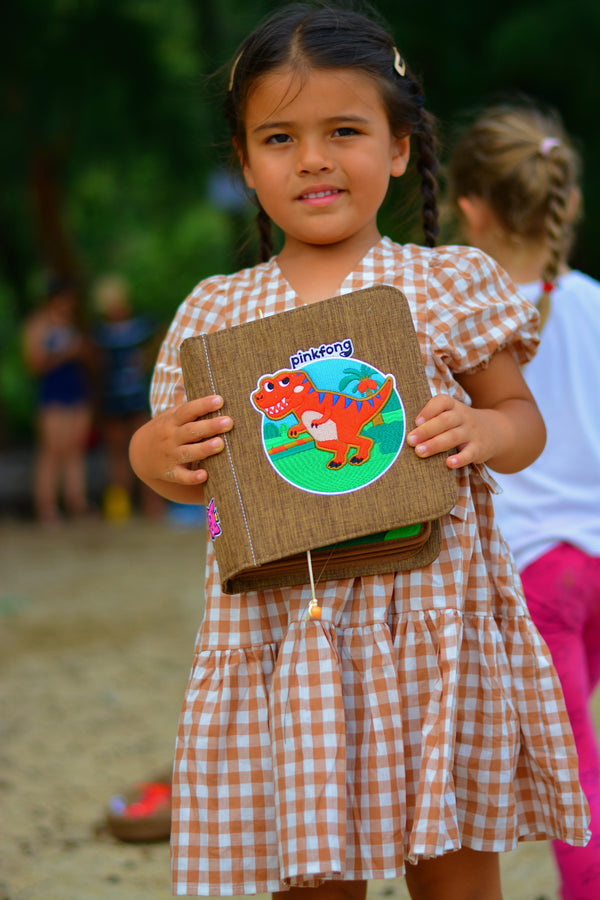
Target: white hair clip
399,64
232,76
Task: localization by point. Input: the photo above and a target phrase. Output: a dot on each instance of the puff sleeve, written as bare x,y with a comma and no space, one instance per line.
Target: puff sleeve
474,309
200,312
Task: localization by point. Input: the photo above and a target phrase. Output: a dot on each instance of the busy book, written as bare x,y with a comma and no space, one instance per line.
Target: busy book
322,398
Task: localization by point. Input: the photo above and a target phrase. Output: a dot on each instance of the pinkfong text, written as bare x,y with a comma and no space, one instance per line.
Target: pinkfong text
343,348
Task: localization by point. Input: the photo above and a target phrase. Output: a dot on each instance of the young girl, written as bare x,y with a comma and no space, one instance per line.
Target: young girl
420,714
514,180
58,353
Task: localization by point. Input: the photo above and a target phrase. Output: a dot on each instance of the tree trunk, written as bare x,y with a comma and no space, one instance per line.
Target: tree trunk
54,244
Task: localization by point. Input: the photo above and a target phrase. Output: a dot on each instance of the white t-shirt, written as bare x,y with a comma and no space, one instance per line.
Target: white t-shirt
557,498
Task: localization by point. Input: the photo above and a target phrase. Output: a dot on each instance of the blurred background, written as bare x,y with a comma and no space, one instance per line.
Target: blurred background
114,156
114,176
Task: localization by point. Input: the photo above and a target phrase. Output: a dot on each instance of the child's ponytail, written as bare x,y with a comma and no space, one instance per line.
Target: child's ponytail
557,218
519,160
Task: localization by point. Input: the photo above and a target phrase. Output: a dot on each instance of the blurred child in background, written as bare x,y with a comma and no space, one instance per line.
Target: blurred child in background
126,341
514,181
57,352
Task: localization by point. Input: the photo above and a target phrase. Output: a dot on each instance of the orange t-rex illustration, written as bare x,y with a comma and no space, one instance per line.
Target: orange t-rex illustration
332,419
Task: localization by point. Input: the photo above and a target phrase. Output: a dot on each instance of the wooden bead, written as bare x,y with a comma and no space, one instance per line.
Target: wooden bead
315,611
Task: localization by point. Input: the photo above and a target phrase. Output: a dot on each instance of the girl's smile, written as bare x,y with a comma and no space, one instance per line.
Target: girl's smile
318,196
319,153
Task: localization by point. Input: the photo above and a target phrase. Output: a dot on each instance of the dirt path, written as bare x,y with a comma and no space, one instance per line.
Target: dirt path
96,634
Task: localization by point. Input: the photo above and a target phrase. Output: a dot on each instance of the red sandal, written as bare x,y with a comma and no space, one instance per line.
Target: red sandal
142,814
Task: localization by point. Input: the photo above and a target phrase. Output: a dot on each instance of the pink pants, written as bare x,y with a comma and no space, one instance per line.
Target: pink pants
562,589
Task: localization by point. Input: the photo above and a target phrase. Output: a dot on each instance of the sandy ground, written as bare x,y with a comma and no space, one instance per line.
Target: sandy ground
96,634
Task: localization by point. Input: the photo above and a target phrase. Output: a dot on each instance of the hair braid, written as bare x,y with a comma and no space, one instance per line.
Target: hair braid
556,227
265,235
520,160
427,167
556,216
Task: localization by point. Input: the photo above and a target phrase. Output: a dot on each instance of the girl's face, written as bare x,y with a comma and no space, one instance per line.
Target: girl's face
63,306
320,153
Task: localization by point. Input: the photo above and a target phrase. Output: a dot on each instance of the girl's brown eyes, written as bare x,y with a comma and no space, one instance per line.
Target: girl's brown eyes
283,138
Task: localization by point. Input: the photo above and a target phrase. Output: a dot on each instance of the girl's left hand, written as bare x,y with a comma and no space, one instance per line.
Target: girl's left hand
446,424
502,427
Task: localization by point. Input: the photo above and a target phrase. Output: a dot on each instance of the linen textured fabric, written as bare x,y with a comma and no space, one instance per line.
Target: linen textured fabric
256,535
421,713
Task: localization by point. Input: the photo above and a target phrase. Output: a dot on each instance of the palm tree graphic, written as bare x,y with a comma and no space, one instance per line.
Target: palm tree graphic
364,383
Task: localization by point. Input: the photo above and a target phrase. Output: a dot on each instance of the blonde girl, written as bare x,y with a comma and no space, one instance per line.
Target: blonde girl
417,727
514,181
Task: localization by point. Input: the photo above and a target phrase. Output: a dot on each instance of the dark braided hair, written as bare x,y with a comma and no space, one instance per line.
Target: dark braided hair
265,234
305,36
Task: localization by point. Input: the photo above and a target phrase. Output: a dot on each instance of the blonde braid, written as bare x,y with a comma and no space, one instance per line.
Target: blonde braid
557,227
521,162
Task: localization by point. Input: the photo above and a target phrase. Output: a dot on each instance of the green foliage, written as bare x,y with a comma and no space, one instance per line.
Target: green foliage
16,385
112,126
17,391
354,375
388,435
271,431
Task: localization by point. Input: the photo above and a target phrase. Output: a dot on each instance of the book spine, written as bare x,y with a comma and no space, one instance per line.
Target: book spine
230,461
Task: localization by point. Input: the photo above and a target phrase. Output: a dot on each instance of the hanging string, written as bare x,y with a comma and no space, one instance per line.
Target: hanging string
314,610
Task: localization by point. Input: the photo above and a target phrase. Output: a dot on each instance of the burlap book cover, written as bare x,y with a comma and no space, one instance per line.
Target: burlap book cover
322,398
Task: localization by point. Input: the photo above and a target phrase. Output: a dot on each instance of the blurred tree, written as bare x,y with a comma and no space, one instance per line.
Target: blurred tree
100,119
113,145
72,86
470,53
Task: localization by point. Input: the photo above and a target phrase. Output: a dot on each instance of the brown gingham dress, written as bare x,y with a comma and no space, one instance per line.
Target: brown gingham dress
421,713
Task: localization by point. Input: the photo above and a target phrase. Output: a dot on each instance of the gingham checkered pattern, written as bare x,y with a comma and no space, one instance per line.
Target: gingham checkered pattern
421,713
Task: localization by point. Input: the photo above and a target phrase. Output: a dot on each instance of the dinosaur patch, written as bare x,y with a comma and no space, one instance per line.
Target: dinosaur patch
332,426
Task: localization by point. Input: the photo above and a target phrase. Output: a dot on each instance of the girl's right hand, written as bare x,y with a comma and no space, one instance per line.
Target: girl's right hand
166,451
